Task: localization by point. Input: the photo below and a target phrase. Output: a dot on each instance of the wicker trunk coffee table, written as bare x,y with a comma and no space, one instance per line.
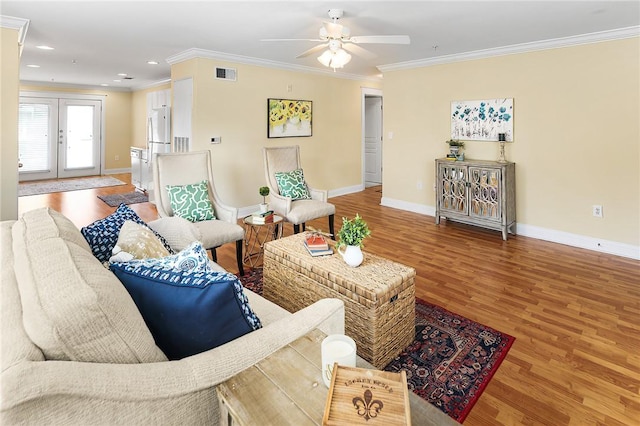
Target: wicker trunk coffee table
379,295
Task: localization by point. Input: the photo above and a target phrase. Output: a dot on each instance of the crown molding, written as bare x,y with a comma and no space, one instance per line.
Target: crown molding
13,23
556,43
209,54
54,85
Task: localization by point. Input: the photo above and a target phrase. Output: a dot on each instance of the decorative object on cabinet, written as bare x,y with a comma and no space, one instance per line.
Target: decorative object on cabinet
501,156
482,120
454,149
288,118
477,192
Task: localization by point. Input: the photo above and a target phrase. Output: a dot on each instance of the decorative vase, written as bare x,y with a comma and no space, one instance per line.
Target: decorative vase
264,207
352,255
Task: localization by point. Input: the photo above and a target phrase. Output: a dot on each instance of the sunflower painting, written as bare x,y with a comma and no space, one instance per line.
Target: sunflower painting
288,118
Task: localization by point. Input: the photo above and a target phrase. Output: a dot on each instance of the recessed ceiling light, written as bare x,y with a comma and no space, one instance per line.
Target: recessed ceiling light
152,62
33,66
104,84
45,47
122,74
117,81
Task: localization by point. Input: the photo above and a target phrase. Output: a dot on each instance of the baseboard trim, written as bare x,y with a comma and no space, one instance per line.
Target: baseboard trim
551,235
116,171
346,190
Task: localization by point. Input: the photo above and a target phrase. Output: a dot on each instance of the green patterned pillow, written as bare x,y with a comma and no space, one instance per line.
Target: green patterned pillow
291,184
191,202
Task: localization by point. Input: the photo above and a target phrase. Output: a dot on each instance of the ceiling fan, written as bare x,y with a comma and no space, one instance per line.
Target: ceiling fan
337,39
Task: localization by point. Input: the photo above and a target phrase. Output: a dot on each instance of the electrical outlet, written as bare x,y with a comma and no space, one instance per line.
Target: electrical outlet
419,185
117,157
597,210
216,139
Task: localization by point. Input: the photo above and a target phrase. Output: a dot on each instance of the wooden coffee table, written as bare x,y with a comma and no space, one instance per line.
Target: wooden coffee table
379,295
286,388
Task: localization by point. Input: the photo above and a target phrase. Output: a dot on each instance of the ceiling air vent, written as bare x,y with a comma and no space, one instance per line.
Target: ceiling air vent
226,74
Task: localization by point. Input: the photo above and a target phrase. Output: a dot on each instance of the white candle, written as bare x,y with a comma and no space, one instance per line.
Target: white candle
337,348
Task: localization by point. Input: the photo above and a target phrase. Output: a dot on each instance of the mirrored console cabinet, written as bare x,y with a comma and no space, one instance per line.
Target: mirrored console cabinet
477,192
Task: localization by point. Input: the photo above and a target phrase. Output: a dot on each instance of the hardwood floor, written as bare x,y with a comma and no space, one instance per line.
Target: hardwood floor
575,313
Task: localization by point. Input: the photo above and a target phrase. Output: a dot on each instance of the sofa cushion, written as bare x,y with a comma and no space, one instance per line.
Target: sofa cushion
188,312
140,241
73,308
291,184
192,258
191,202
102,234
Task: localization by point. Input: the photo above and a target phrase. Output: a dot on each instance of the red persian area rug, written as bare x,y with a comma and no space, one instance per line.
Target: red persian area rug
451,360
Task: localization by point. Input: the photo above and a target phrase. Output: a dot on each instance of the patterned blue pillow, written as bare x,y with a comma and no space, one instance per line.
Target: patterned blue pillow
102,235
188,312
192,258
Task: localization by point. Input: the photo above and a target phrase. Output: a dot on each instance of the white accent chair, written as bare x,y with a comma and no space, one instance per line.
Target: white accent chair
298,212
184,168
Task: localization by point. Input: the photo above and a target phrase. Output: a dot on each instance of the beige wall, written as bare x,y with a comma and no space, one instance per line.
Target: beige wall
576,133
237,111
9,82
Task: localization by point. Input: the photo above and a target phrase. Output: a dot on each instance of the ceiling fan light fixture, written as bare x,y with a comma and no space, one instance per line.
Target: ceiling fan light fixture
334,58
325,58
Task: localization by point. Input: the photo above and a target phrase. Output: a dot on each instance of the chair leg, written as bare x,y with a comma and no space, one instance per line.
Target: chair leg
304,226
296,228
239,257
333,234
213,254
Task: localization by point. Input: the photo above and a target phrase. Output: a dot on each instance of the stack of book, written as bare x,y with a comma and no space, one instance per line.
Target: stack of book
261,218
317,245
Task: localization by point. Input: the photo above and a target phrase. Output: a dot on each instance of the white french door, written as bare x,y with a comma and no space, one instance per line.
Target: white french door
59,137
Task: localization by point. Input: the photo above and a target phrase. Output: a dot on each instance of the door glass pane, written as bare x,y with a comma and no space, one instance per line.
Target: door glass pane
33,137
79,136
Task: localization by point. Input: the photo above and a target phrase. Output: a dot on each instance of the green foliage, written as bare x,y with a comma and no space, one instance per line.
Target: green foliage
353,231
455,142
264,191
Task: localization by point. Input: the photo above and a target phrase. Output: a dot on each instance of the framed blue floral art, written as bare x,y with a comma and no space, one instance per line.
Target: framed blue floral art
482,120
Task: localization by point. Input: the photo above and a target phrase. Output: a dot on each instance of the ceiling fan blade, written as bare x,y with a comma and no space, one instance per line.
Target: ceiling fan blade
333,30
357,50
291,39
313,50
382,39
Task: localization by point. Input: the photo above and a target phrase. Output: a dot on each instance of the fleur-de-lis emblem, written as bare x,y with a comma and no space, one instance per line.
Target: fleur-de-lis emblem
367,407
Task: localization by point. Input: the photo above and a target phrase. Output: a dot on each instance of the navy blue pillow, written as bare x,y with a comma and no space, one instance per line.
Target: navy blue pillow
188,312
102,235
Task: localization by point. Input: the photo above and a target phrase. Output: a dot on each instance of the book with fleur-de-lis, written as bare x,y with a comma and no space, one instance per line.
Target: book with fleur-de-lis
358,396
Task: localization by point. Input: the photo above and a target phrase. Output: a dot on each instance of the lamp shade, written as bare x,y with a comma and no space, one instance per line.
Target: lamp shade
334,59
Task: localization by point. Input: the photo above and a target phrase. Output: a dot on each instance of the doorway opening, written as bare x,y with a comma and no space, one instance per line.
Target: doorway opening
372,136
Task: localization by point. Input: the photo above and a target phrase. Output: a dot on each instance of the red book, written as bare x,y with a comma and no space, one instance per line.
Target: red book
316,242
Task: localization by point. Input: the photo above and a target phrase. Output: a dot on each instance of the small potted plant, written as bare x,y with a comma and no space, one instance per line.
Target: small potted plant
454,147
264,191
350,237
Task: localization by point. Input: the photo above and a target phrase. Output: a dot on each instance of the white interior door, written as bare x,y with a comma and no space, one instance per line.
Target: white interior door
59,138
373,141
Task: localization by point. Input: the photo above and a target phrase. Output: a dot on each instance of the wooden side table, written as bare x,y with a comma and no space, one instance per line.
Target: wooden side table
286,388
255,235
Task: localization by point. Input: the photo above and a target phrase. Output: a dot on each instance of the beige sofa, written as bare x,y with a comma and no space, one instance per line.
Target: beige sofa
75,350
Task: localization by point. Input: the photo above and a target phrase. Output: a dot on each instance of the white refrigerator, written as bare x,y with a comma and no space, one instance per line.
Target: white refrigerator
158,141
